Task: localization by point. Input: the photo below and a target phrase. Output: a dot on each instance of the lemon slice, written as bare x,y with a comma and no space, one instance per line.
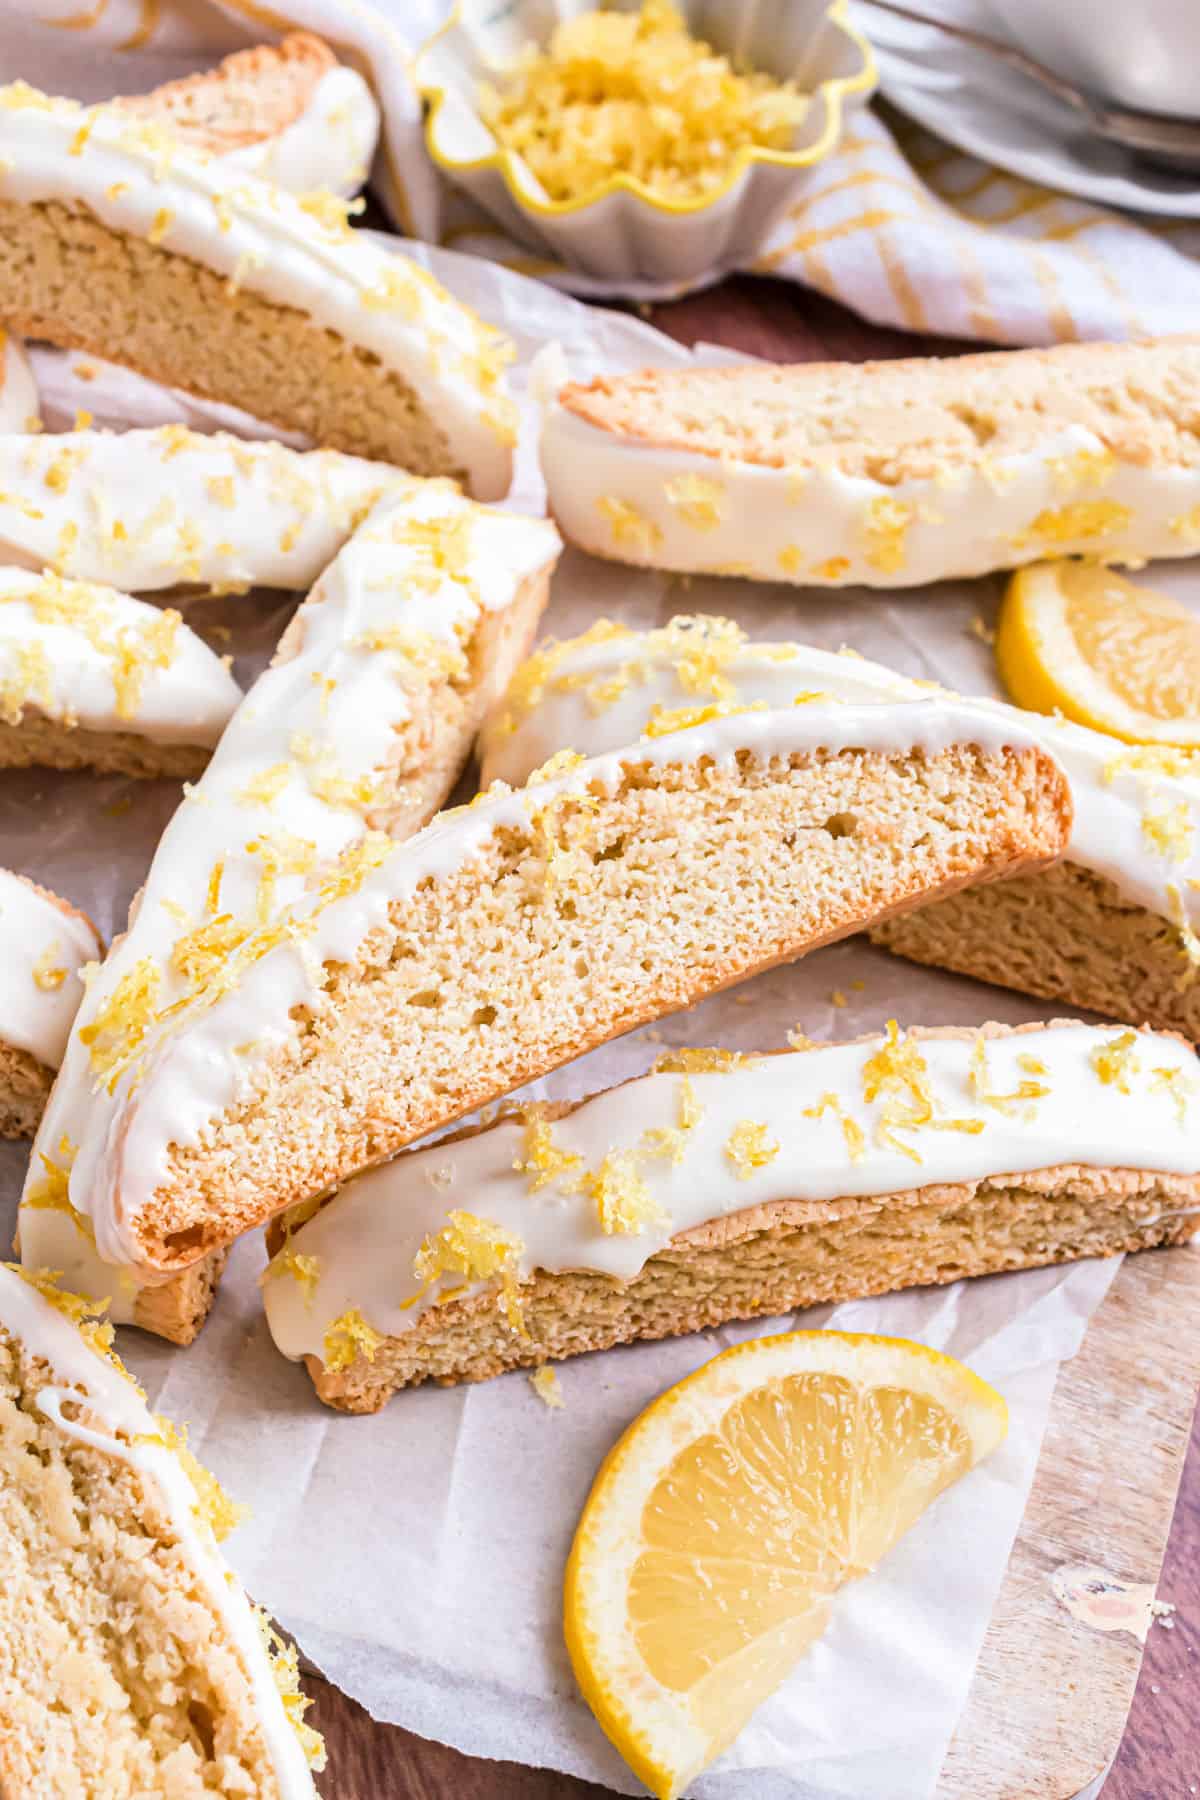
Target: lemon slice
1077,638
723,1521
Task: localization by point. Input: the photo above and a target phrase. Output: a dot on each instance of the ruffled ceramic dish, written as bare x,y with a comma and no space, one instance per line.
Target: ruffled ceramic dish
624,232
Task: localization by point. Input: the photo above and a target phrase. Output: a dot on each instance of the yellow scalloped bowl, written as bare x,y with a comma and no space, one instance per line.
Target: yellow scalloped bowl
625,236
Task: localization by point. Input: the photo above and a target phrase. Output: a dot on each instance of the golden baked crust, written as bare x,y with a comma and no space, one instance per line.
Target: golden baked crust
915,419
251,95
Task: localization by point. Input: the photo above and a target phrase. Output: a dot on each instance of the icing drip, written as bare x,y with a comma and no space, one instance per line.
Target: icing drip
594,696
166,1089
127,1423
18,390
164,507
280,821
820,527
92,657
973,1110
43,949
135,177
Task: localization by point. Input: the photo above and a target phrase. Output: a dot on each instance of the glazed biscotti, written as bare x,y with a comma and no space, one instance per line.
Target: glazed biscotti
289,112
116,240
1114,927
418,980
132,1665
45,944
90,678
886,474
351,740
168,507
723,1186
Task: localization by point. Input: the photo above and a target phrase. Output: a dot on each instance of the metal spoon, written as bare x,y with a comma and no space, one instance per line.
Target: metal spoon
1174,143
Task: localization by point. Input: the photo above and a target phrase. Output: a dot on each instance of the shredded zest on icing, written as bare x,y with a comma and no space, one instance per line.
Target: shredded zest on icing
750,1147
1116,1061
476,1250
899,1074
348,1338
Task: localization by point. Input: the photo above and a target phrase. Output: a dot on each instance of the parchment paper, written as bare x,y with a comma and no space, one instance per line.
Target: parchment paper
418,1556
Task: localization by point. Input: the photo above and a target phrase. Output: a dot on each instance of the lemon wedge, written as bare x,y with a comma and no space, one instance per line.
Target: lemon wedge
730,1512
1077,638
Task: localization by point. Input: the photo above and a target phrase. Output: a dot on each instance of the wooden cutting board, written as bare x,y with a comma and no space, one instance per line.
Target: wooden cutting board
1051,1693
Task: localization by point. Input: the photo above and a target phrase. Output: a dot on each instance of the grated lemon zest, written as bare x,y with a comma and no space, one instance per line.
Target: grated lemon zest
542,1159
852,1131
548,1388
634,94
977,1081
1116,1061
477,1250
348,1338
623,1201
749,1148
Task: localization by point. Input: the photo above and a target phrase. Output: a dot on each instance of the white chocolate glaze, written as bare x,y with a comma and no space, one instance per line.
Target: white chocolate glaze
595,696
365,1240
819,527
314,733
131,1433
329,145
169,507
203,1059
43,947
135,178
19,405
89,656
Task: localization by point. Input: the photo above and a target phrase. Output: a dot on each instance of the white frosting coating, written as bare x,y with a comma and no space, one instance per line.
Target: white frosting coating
42,950
136,179
330,144
367,1237
330,713
49,1334
819,527
65,667
1117,803
164,507
195,1069
19,403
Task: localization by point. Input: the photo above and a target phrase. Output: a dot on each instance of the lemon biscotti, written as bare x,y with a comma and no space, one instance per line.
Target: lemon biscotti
116,240
722,1186
45,943
351,739
1114,926
289,112
90,678
132,1665
416,981
888,474
169,507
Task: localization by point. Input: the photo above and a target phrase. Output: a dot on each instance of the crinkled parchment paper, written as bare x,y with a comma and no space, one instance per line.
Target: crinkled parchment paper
418,1555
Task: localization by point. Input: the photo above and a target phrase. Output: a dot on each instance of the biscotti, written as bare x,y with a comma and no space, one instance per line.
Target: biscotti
132,1665
351,740
724,1186
90,678
1115,927
168,507
289,112
422,979
45,944
887,474
117,241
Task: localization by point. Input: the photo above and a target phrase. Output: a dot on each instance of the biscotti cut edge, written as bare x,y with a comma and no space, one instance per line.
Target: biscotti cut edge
108,1536
907,828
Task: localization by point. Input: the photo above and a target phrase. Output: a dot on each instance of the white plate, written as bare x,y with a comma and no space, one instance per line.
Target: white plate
982,106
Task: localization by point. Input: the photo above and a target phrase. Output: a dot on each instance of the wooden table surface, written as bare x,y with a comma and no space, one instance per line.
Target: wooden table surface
1159,1758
